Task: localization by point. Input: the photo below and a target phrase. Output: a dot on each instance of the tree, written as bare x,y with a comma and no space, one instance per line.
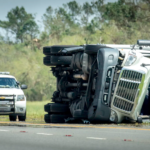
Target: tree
53,23
74,9
1,38
59,22
124,12
87,10
20,23
98,9
31,29
47,18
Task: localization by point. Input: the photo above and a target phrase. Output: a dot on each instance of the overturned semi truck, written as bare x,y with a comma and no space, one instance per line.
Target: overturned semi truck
99,83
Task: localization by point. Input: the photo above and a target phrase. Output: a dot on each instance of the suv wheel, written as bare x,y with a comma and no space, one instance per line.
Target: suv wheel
12,118
22,118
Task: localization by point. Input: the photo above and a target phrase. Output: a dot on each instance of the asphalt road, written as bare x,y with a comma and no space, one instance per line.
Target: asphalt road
73,137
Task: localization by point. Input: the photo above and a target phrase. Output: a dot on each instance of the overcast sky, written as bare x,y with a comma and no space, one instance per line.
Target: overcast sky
37,7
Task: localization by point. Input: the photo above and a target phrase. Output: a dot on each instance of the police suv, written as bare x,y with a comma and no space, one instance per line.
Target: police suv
12,98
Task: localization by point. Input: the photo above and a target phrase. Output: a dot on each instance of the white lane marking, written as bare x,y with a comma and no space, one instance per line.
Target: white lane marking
44,134
3,130
96,138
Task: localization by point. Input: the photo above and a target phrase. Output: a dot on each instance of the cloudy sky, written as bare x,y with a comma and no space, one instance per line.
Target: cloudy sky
37,7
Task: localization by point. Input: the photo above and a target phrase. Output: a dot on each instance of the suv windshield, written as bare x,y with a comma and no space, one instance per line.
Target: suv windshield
8,83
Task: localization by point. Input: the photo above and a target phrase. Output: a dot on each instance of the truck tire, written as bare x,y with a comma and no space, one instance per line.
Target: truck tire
56,49
12,118
56,107
93,49
47,118
55,118
22,118
57,60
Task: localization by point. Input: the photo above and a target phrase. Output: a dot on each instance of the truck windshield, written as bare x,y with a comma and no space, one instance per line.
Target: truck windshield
8,83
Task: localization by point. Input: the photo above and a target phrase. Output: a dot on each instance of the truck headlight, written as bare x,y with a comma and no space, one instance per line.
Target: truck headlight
20,98
131,59
113,116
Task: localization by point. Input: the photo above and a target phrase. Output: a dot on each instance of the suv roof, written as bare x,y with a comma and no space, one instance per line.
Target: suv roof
6,76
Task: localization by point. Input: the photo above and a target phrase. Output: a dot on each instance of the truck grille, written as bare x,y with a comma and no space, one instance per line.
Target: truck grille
132,75
127,90
124,105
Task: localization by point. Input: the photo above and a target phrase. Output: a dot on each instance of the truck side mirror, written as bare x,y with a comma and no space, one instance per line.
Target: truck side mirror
23,86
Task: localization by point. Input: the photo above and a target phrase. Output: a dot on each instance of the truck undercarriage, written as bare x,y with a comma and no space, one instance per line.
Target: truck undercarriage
93,84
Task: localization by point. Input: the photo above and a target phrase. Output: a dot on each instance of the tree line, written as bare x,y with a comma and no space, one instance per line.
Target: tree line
85,20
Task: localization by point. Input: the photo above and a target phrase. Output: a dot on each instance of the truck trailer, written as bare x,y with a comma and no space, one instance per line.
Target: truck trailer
99,83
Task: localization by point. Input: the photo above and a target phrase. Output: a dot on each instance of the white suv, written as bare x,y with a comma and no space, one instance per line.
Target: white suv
12,98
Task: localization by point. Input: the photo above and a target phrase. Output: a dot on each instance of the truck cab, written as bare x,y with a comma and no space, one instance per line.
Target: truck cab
12,97
132,89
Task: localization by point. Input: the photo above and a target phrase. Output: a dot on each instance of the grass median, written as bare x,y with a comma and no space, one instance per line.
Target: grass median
35,112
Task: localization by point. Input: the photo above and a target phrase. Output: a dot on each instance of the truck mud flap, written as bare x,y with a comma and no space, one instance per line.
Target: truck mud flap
99,110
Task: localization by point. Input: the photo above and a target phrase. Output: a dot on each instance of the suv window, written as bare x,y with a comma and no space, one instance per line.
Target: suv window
8,83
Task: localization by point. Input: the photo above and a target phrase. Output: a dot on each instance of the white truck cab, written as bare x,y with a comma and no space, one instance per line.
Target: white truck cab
133,84
12,98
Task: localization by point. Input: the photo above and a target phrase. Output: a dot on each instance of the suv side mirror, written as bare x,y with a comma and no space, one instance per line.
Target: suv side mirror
23,86
17,82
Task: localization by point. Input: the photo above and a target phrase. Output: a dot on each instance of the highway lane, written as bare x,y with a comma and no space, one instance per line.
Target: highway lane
71,138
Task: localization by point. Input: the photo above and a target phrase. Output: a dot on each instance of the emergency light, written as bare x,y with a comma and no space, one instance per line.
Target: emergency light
5,73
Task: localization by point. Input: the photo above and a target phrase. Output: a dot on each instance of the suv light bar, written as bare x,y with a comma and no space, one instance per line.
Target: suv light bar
6,73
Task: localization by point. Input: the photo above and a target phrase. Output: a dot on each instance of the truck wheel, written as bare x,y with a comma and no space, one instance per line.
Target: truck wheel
56,107
55,118
51,50
12,118
61,60
47,118
57,60
93,49
22,118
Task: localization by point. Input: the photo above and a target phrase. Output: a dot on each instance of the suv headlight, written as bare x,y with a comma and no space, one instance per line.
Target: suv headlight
20,98
131,59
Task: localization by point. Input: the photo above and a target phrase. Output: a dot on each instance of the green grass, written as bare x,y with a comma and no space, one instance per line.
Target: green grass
35,112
